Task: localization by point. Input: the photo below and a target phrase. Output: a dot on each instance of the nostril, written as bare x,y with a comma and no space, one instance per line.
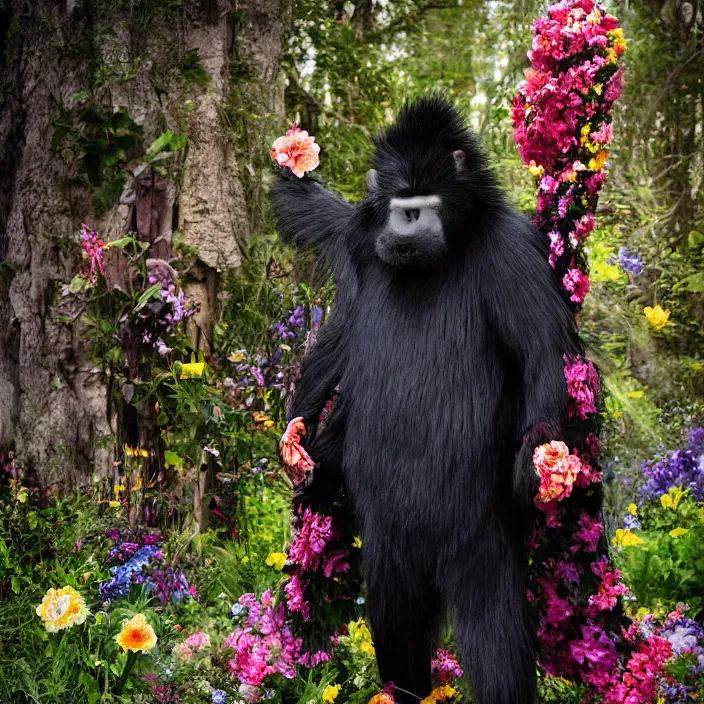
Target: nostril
404,249
412,214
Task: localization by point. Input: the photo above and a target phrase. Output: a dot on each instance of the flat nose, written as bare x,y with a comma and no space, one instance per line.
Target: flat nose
412,214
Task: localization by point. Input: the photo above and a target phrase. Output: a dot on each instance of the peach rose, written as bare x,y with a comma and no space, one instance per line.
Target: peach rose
297,150
294,456
557,469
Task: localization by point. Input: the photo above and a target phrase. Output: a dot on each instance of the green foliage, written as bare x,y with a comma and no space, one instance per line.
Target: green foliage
102,142
668,566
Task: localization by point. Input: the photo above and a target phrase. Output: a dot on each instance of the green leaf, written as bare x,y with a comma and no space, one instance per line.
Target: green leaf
146,296
695,239
693,283
121,243
171,458
78,284
15,583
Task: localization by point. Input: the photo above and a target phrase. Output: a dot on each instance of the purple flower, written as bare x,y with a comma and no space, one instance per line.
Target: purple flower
316,317
258,376
682,468
630,261
162,348
219,696
631,522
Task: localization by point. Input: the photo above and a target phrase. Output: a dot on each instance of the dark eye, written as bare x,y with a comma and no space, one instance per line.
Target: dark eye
404,249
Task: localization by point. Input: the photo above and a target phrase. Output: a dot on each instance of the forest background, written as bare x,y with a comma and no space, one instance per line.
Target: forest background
151,123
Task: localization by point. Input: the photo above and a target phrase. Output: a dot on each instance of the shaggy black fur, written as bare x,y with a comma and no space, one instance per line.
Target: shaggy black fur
449,375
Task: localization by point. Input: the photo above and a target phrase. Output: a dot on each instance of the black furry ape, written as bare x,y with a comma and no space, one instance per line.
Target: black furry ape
446,343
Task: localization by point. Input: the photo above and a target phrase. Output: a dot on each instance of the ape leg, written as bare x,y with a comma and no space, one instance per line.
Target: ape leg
493,623
403,614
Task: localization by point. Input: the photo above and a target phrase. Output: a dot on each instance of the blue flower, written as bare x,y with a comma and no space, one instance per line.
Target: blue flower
219,696
630,261
237,609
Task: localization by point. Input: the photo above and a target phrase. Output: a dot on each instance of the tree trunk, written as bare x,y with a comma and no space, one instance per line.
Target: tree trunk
173,65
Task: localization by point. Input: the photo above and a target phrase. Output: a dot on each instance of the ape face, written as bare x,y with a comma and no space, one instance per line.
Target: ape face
416,228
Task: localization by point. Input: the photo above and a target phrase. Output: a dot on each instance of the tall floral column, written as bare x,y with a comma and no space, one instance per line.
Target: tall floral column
563,126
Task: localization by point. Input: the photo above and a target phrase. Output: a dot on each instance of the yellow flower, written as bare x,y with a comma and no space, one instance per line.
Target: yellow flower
86,577
598,87
115,504
360,637
61,609
585,141
118,488
357,542
245,560
131,451
625,538
439,694
657,317
330,693
143,452
237,357
596,163
136,634
618,42
672,498
677,532
633,509
277,560
535,169
192,369
137,485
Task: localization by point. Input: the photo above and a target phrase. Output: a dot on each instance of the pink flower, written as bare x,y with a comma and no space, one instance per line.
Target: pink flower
297,150
309,540
609,590
336,563
589,533
614,87
295,599
198,641
183,651
557,469
445,668
577,283
557,247
582,387
93,247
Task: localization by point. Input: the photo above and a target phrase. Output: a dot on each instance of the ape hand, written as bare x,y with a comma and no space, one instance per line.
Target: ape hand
526,481
293,453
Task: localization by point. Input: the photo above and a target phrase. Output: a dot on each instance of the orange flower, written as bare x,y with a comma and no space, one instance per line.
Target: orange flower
382,698
136,634
557,469
293,455
297,150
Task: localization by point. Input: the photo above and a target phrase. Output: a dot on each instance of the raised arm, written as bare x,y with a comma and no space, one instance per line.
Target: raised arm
310,216
536,328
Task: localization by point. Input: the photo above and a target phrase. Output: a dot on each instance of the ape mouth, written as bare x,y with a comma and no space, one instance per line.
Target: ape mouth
404,250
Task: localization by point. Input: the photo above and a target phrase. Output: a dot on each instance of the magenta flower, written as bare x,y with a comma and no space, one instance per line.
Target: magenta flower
577,283
93,247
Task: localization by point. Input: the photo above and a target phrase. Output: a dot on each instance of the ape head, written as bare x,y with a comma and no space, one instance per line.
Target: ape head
429,175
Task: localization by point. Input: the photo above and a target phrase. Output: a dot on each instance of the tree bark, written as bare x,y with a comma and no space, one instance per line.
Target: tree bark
53,404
